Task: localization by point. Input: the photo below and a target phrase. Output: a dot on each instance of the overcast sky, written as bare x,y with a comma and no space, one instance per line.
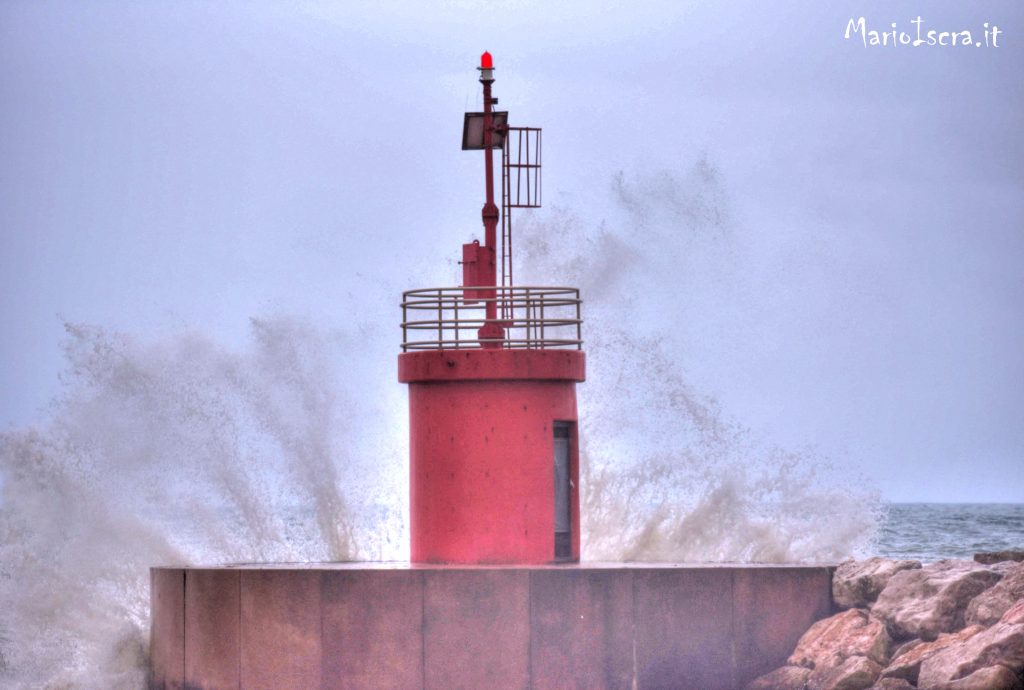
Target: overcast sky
185,166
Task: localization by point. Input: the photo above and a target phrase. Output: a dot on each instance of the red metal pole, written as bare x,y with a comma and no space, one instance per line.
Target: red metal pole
490,210
491,329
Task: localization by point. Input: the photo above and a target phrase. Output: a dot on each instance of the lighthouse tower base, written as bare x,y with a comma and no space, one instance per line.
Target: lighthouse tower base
485,427
329,626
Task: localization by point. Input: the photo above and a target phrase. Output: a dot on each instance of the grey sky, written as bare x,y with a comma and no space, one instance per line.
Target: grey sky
168,166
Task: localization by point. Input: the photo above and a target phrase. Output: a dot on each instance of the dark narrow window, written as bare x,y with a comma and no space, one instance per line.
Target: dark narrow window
563,522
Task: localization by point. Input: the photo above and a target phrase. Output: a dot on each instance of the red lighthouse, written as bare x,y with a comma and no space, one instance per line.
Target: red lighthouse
492,371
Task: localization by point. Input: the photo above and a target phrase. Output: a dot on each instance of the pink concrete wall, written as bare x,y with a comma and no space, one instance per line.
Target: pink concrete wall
481,452
589,626
212,628
476,628
481,473
373,630
167,629
281,646
581,629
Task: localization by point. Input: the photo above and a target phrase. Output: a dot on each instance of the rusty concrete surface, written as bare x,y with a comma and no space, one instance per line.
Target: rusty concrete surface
329,626
476,629
581,629
770,608
212,635
684,629
167,631
372,630
281,630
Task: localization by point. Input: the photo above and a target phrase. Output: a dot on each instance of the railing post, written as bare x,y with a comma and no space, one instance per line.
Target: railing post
579,332
455,308
542,297
440,322
529,321
513,326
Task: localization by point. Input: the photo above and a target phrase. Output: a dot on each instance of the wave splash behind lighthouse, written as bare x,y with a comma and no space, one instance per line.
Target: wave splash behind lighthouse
495,596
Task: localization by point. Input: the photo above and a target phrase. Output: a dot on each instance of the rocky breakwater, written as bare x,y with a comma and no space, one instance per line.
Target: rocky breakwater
950,625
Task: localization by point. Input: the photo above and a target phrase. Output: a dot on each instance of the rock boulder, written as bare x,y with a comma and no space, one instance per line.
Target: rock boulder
989,678
858,583
785,678
1015,614
1002,645
829,642
1003,567
989,606
931,600
906,661
892,684
990,557
855,673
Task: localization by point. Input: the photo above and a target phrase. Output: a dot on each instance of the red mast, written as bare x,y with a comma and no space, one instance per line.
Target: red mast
491,333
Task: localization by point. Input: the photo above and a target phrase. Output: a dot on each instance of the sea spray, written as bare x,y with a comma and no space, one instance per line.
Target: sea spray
295,448
681,483
666,474
175,452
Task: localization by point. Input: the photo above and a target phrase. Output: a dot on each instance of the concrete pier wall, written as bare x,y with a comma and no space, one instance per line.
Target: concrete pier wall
584,626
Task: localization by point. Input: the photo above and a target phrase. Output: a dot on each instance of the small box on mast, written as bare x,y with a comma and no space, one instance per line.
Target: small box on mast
476,261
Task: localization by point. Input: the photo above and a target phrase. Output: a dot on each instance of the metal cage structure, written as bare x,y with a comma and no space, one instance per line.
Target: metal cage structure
536,318
520,185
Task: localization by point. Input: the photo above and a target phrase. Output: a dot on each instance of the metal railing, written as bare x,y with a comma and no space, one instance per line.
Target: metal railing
532,318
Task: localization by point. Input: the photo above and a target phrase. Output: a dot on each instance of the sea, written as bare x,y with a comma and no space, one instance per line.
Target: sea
929,532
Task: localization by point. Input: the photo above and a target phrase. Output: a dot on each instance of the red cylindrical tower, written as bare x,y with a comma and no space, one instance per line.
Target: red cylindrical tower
494,439
489,429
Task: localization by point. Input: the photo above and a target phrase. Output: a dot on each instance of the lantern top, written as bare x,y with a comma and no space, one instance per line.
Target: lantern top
486,61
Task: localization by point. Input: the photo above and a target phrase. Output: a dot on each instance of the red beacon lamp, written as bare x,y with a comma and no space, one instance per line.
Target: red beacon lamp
492,369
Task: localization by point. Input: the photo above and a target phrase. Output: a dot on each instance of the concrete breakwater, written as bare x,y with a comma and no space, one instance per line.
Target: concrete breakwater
949,625
879,623
371,625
